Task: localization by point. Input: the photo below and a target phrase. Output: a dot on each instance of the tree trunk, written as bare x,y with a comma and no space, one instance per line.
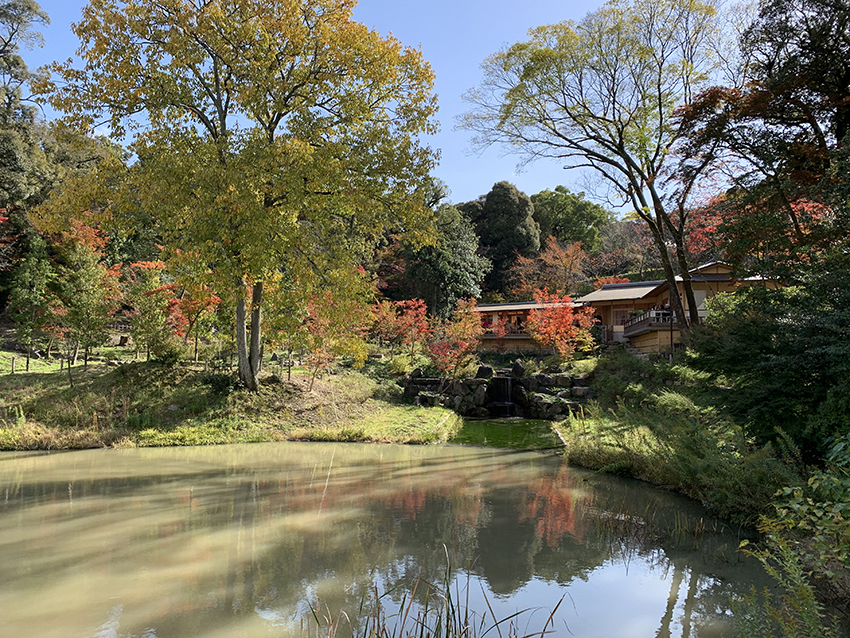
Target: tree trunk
76,352
669,275
249,358
693,312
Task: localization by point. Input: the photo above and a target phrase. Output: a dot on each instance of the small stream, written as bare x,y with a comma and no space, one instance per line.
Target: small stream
242,541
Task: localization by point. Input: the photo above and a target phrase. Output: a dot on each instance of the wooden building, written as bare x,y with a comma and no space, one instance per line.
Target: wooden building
640,313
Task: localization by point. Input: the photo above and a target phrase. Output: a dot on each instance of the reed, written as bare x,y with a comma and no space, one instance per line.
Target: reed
428,610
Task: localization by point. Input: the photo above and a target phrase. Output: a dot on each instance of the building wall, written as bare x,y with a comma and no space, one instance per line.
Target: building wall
657,341
508,344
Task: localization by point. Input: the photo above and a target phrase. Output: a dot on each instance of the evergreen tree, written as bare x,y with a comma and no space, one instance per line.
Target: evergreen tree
449,270
504,221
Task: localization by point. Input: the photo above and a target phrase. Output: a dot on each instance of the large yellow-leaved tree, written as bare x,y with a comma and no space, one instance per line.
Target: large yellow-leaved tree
269,135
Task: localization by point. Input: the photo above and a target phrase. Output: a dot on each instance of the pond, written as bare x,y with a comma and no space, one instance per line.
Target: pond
251,540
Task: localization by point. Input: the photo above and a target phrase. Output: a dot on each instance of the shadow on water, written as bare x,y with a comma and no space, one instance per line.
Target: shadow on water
236,540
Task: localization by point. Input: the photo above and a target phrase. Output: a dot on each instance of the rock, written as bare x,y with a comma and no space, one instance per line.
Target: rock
484,372
562,379
466,406
518,370
559,417
481,412
426,381
459,388
480,396
580,391
474,383
544,380
564,394
416,374
411,391
519,395
531,384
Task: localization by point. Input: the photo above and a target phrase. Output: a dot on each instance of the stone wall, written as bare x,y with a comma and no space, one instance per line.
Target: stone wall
540,396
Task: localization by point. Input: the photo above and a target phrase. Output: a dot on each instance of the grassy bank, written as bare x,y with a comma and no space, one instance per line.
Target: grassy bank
658,421
148,404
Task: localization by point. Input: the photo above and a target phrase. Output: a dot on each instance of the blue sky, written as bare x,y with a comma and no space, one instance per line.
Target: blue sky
455,37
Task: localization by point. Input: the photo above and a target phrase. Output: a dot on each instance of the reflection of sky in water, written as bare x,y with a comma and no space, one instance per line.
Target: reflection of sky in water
234,541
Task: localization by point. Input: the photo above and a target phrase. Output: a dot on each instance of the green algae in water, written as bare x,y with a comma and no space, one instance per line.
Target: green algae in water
512,434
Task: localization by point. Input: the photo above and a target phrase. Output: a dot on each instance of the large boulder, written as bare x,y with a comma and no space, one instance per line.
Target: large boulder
519,395
480,396
518,370
484,372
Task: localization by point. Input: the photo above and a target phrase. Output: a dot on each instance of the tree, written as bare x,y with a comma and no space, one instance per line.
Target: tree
273,132
31,296
774,135
23,164
88,288
786,354
402,323
557,267
451,268
560,326
336,327
627,247
569,217
602,94
455,340
154,319
504,221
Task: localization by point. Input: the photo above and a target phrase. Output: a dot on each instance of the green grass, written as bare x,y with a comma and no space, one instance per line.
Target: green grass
147,404
659,422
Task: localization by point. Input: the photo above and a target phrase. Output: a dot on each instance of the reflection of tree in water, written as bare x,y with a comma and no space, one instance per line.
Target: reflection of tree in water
267,538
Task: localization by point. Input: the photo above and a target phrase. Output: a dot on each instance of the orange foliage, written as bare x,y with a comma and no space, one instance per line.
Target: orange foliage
602,281
557,267
559,325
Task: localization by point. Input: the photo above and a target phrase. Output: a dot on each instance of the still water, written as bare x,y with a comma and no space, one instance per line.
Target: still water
242,541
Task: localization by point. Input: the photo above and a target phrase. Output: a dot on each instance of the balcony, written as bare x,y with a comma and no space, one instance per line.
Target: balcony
650,321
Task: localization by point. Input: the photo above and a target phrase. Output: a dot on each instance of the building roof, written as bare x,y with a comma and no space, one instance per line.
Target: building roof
515,305
625,292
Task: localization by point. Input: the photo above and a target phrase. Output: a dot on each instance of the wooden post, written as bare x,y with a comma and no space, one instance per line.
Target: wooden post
13,365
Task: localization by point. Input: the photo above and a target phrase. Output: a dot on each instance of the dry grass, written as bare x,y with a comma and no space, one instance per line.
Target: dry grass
146,404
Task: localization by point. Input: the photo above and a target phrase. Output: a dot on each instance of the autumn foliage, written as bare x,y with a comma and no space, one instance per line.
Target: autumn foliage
454,341
557,267
336,326
560,326
401,324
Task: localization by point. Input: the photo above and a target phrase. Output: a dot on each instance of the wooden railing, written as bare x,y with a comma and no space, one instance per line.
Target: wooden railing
653,318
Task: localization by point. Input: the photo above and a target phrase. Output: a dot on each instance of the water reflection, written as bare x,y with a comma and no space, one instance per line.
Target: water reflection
237,540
